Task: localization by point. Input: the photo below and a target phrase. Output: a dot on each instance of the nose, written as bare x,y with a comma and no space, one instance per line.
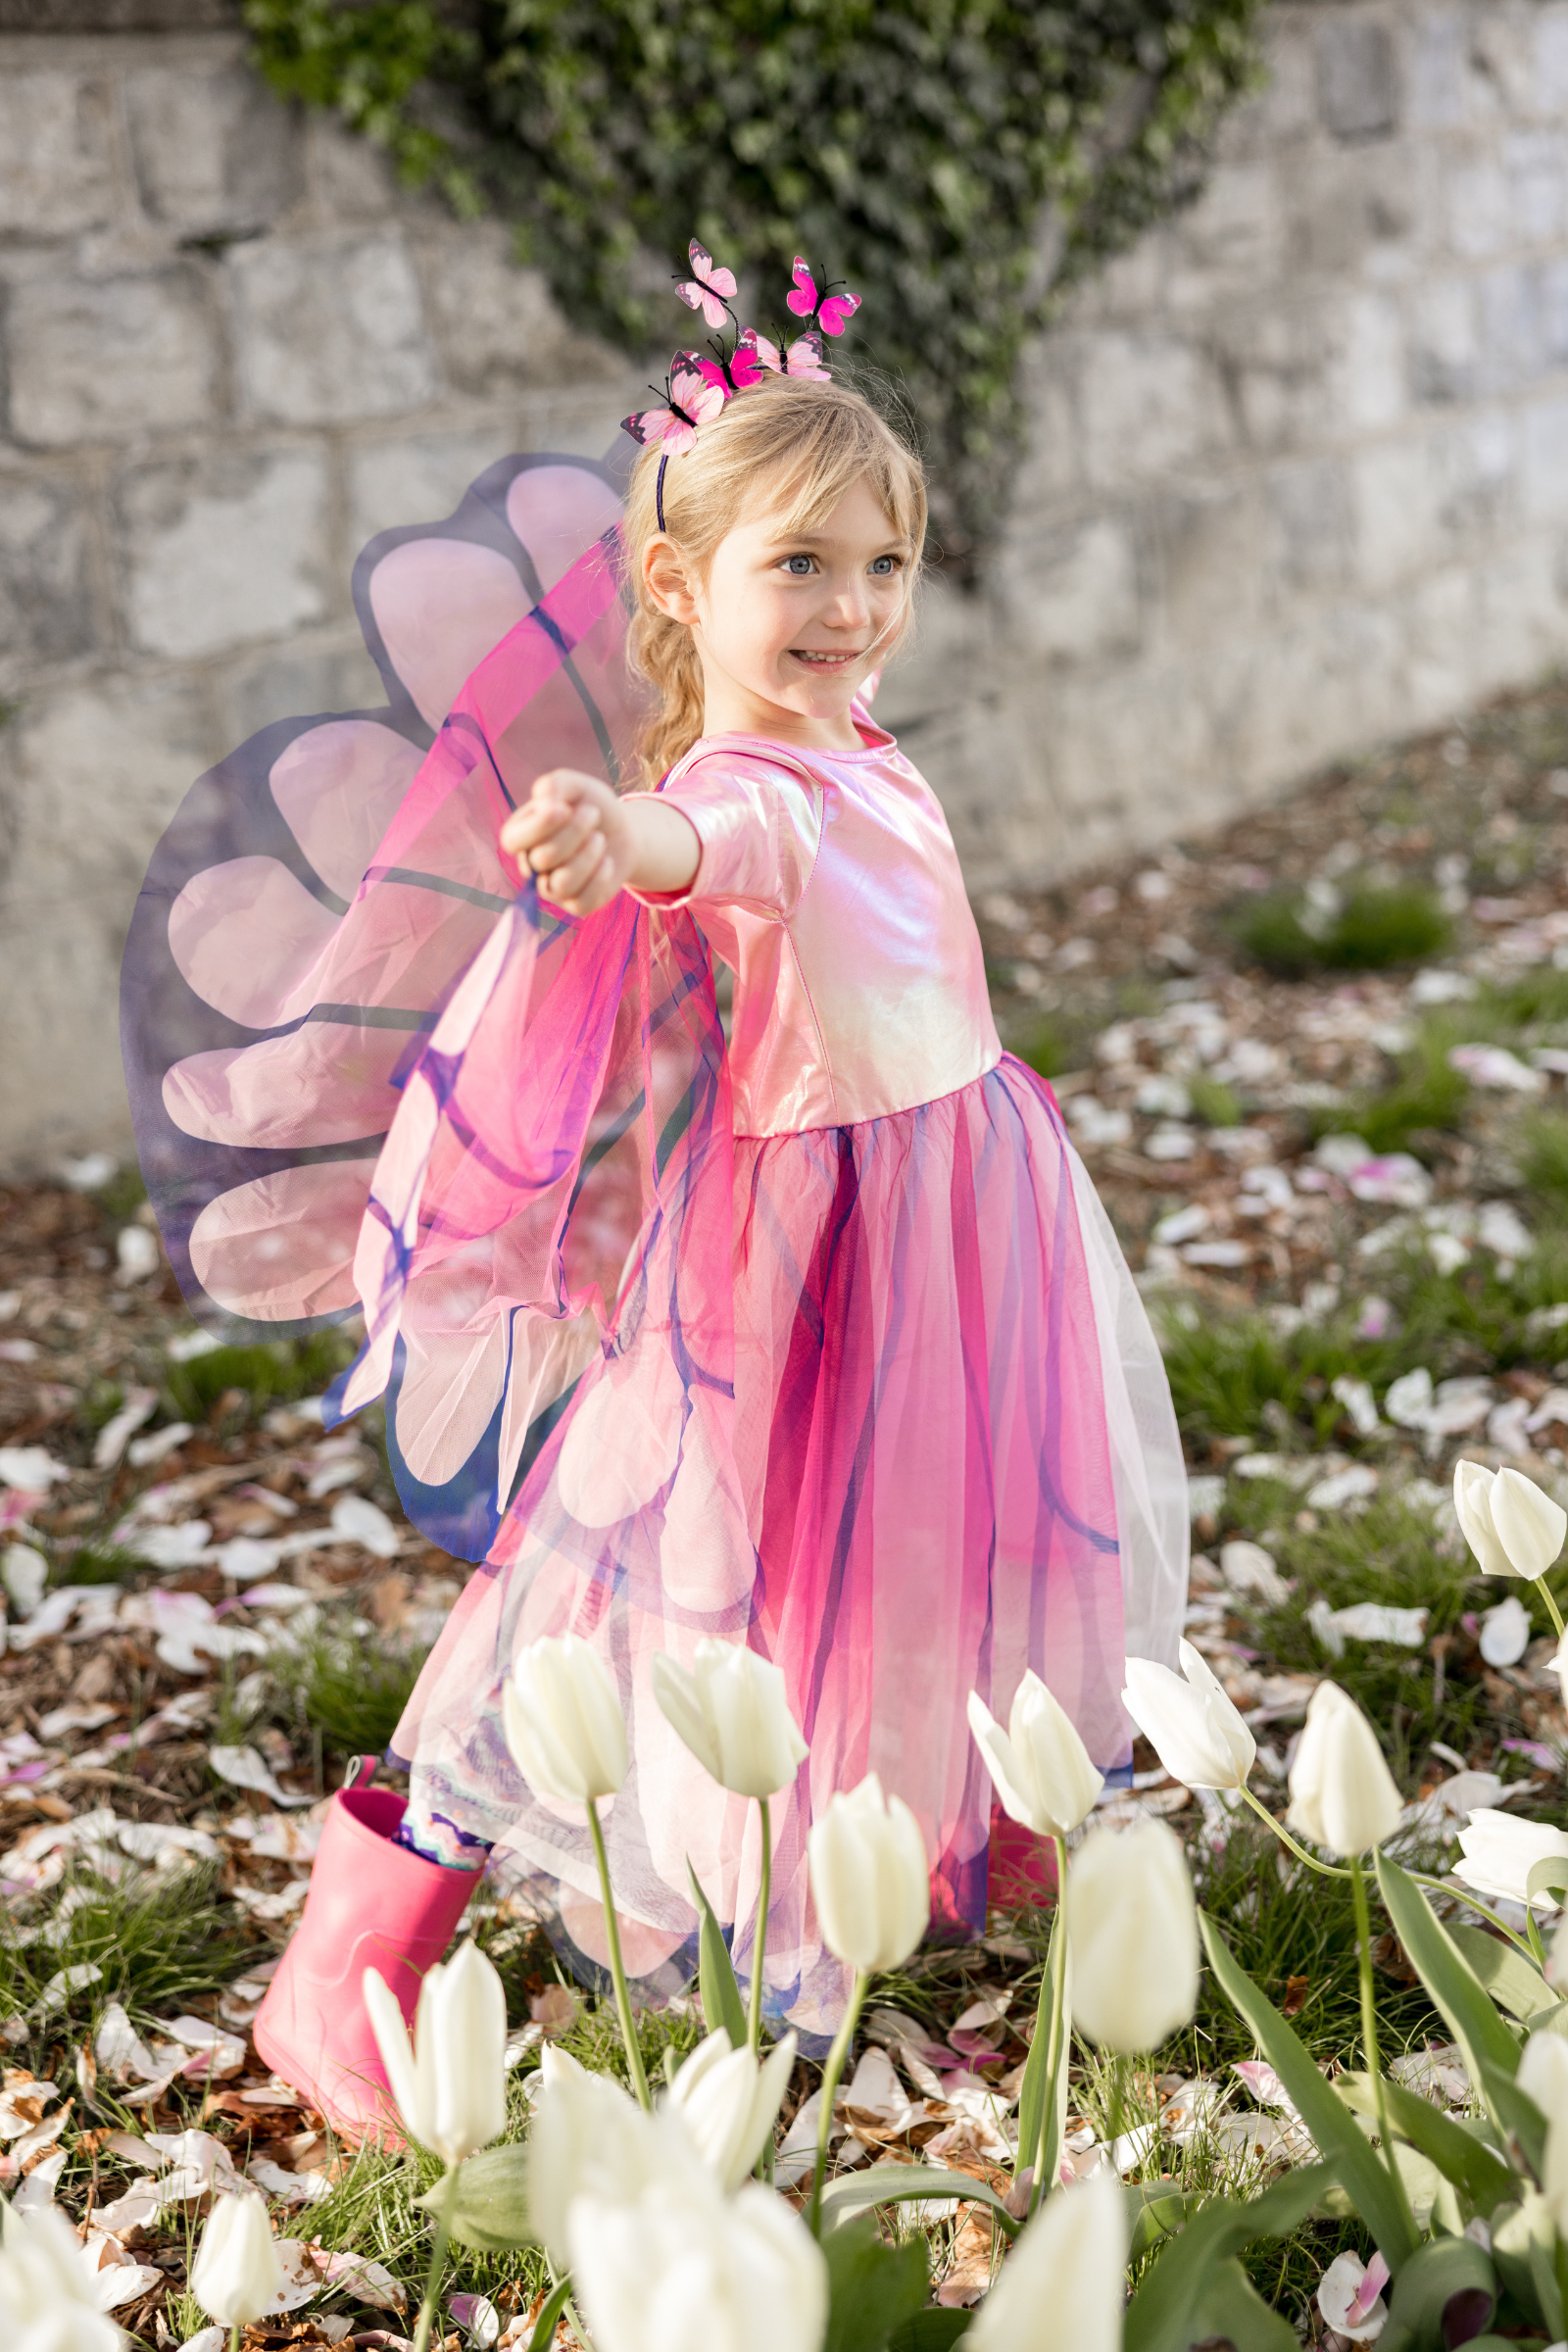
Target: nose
850,607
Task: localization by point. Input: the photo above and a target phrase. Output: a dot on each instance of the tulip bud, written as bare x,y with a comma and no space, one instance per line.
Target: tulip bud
1040,1766
729,2104
1472,1505
870,1878
683,2264
1196,1733
563,1722
588,2137
1132,1938
451,2086
47,2293
1497,1852
1530,1526
1064,2285
236,2276
1343,1797
1543,2078
732,1713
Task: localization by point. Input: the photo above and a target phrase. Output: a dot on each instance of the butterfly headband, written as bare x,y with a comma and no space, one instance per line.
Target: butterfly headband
696,388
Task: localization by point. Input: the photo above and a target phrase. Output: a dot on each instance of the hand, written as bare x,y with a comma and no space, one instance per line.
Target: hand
574,836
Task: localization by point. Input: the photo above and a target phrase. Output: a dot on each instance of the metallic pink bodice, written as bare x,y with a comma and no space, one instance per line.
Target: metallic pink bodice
829,884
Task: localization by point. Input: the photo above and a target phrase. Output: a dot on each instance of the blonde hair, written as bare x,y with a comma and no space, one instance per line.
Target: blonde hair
800,446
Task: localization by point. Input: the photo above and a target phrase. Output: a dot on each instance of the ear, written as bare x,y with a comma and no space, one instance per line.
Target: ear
665,579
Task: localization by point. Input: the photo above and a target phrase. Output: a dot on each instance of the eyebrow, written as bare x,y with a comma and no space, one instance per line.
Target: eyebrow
813,540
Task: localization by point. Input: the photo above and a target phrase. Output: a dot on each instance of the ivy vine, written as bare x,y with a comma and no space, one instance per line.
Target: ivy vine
961,163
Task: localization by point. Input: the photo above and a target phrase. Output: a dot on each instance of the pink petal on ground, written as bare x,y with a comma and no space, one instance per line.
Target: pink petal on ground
283,1246
441,606
325,1082
248,935
339,788
556,512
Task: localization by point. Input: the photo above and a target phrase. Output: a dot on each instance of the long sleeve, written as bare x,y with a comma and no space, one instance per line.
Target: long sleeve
759,826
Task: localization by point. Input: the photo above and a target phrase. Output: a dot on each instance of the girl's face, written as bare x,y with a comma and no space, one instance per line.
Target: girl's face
789,625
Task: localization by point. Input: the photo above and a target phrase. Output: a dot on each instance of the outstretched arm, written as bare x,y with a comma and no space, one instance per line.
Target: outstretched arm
584,843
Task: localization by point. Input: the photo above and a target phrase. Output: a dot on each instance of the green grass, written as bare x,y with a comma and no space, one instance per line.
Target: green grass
349,1691
1376,926
162,1941
1543,1158
1214,1103
274,1373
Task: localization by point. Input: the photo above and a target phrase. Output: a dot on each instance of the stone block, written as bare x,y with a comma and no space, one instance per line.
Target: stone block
1365,380
1503,44
1543,460
1146,402
1521,611
214,152
583,422
1050,465
296,682
1447,85
1553,284
1311,524
45,598
1511,327
329,329
1442,341
1479,201
419,479
55,174
1536,165
1073,594
1274,359
1393,497
1232,238
1546,78
108,359
497,325
1358,75
348,177
1348,209
221,549
1283,111
1211,541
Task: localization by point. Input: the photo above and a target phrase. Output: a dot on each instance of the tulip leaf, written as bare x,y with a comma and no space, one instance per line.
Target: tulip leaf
1361,2171
486,2203
930,2330
872,2288
1524,2248
1230,2310
1436,2275
1154,2212
1043,2092
544,2335
1488,2049
720,1993
1453,2147
1549,1876
857,2193
1161,2317
1514,1983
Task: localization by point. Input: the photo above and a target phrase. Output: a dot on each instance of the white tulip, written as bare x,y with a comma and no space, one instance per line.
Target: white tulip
1132,1938
1543,2076
451,2086
47,2293
1064,2285
1511,1526
1192,1725
729,2104
685,2266
1343,1795
563,1722
1496,1853
1472,1503
588,2138
870,1878
1039,1764
236,2275
1530,1526
732,1712
1556,1970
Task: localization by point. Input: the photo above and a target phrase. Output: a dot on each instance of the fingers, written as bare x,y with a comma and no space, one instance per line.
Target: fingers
596,889
566,877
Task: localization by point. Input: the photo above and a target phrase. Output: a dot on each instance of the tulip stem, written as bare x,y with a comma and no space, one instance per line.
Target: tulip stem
831,2083
618,1970
1552,1610
1052,2017
753,2021
1327,1870
1461,1893
233,2337
438,2258
1369,2034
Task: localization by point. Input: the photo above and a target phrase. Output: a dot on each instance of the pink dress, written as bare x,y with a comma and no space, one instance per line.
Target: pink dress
812,1336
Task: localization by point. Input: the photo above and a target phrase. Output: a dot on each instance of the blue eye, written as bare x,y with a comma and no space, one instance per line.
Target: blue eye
884,567
799,568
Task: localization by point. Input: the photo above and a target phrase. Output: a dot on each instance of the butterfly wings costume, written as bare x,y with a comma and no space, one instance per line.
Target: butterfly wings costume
813,1335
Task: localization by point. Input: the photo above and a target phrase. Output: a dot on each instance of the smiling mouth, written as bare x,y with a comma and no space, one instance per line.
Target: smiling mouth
815,660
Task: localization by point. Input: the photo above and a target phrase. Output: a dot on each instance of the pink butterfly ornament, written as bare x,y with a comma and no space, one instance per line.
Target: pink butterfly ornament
710,289
690,401
803,356
831,311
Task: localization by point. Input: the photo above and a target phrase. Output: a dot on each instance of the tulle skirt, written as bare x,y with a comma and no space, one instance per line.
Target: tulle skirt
910,1495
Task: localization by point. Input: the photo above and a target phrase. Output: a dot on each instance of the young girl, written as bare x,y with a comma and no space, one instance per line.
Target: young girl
808,1333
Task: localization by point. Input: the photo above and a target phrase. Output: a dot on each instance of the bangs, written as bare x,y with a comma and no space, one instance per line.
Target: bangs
804,484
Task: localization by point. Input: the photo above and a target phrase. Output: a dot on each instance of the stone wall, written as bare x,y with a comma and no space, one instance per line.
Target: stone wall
1299,475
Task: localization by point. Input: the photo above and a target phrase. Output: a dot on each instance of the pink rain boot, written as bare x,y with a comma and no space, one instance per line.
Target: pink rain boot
1021,1868
372,1904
